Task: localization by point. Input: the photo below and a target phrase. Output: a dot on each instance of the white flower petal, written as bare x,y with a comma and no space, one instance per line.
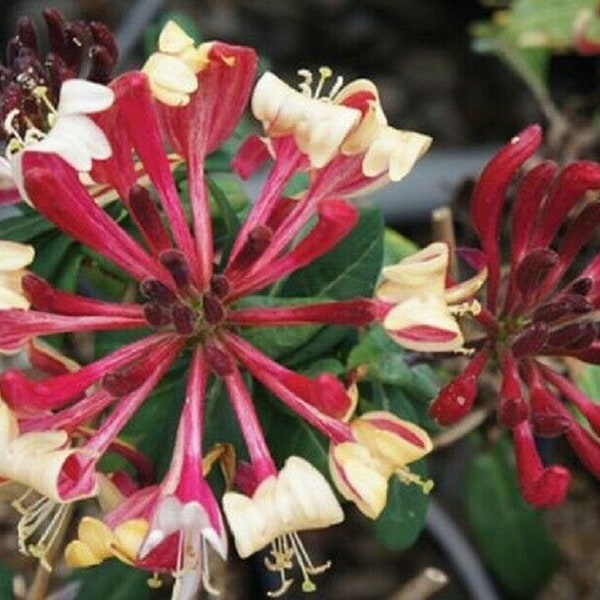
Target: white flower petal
15,256
80,96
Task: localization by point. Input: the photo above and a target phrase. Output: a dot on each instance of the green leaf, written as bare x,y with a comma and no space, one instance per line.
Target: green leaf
222,197
6,582
351,269
541,24
152,428
588,380
386,363
403,518
24,228
278,341
115,580
51,252
287,435
396,247
511,534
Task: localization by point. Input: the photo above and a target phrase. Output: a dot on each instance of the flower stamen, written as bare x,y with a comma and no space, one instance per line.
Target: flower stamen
284,549
43,516
325,73
406,476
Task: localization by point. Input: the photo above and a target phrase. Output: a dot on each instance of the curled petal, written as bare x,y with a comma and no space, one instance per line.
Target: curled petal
391,439
424,325
394,152
299,498
359,477
319,128
39,460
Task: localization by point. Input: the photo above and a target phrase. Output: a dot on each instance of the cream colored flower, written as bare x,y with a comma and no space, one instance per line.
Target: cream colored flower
425,311
319,128
324,127
14,257
34,459
299,498
172,70
71,133
383,445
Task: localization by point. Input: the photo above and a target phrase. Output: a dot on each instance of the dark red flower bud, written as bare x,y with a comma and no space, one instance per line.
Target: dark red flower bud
530,341
184,319
547,414
566,305
147,218
104,37
257,242
214,312
177,264
124,381
534,268
219,285
581,286
221,362
157,315
576,336
513,409
456,399
157,292
26,33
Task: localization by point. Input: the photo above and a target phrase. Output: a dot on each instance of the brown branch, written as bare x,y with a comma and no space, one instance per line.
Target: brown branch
423,586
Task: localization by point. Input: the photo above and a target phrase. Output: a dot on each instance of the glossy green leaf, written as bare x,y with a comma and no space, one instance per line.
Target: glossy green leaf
351,269
403,518
117,581
396,247
510,534
386,362
24,228
287,435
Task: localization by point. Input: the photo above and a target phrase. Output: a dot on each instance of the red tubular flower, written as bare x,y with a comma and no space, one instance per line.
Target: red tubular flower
536,310
192,97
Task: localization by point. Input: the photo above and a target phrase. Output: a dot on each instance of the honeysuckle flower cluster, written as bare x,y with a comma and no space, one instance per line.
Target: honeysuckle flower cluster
37,104
544,307
188,99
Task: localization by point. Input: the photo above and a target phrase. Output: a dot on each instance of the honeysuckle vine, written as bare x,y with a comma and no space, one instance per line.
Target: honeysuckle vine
188,306
194,304
543,308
